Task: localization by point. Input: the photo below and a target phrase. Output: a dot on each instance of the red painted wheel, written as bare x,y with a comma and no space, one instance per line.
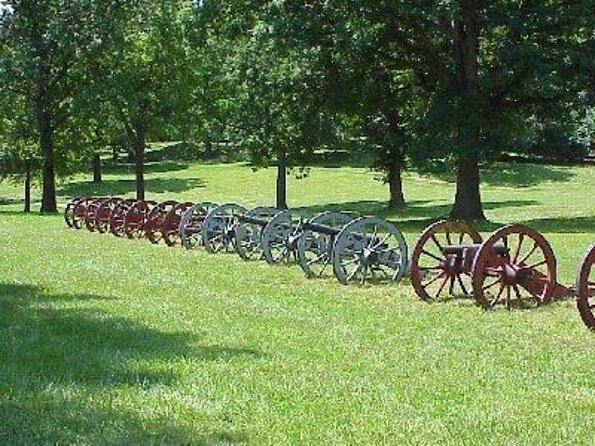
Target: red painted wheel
79,212
585,289
153,227
91,213
104,213
116,221
171,223
515,262
136,218
69,210
436,270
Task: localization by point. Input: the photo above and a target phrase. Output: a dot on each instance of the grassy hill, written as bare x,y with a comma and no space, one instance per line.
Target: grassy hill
117,341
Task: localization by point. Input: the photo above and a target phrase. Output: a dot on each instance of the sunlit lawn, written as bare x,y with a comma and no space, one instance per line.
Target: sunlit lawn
105,340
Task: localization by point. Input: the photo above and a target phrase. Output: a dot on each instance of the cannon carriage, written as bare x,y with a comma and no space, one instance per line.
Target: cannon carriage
154,222
171,223
192,222
118,217
218,229
248,230
135,218
515,263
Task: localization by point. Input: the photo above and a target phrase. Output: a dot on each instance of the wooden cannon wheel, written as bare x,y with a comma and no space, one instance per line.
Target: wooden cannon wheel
515,265
585,289
436,273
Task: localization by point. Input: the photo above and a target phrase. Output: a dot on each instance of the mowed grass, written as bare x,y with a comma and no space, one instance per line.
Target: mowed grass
114,341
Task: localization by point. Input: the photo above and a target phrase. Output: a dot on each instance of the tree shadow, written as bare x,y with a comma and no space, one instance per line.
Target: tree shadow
44,347
507,174
414,216
123,187
150,167
570,225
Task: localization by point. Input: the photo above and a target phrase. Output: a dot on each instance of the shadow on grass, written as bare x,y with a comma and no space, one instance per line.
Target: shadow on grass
122,187
515,174
150,167
84,350
570,225
415,215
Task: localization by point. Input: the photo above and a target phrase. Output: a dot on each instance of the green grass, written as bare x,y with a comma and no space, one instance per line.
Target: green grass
114,341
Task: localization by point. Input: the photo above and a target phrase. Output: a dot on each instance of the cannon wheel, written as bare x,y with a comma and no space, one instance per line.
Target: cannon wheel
432,270
218,231
116,221
103,214
91,213
136,218
314,249
69,210
190,230
154,224
279,239
80,211
585,289
249,236
370,249
514,262
171,223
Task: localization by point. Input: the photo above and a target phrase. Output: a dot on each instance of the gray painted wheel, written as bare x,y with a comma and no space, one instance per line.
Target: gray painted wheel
190,229
370,249
315,249
248,235
218,230
280,238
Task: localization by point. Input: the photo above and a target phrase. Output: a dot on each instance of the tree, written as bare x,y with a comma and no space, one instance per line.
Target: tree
280,86
147,76
44,52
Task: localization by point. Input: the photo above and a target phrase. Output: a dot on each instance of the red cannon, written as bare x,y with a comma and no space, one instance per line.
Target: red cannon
135,219
515,263
118,215
154,223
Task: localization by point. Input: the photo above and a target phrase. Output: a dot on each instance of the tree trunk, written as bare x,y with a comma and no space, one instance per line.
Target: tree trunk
97,169
139,163
282,180
46,142
208,152
468,199
395,182
27,186
468,203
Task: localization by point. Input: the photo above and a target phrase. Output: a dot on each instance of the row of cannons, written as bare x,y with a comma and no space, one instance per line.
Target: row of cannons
514,266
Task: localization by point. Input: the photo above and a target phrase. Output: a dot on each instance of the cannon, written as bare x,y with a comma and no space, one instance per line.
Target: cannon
153,225
104,213
76,210
135,218
248,231
171,223
218,229
280,236
191,224
69,214
118,216
91,212
366,249
585,289
514,263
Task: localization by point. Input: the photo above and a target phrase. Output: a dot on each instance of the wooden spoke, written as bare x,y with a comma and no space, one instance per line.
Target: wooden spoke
529,254
434,279
429,254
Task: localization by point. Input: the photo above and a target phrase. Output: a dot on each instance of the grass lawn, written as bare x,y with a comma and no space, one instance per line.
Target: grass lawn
114,341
